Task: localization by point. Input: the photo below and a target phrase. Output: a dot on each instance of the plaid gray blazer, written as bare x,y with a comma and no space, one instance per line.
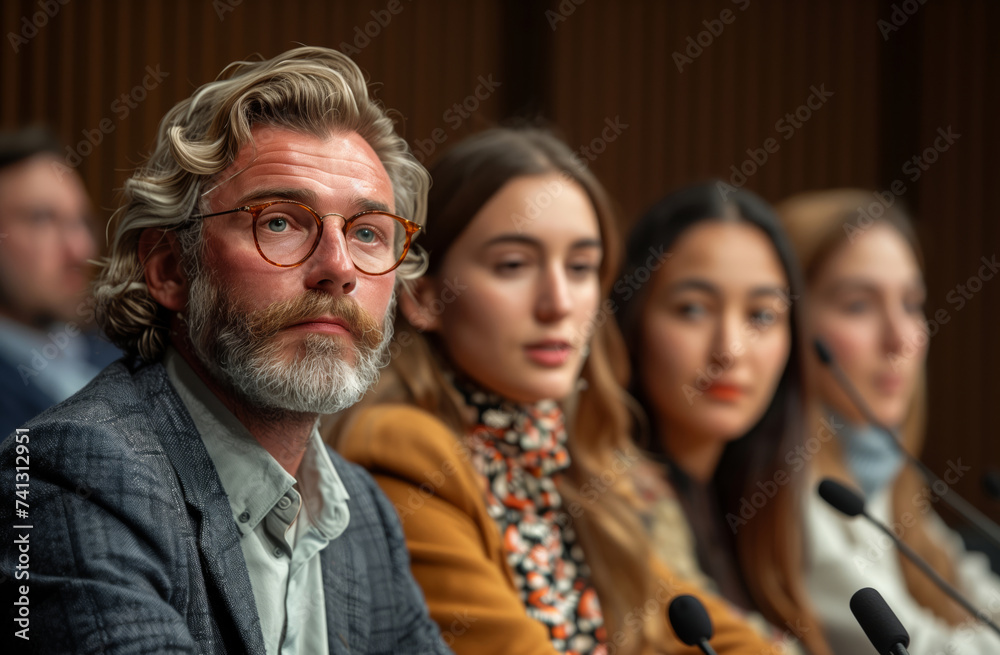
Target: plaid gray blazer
133,547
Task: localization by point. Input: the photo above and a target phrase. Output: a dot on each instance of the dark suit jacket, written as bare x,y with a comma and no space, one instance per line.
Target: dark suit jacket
134,549
20,402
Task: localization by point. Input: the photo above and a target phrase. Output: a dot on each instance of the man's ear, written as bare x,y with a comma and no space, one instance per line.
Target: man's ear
160,256
416,302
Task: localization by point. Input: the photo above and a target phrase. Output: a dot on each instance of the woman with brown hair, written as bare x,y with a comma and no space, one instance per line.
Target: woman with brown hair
713,333
500,431
866,294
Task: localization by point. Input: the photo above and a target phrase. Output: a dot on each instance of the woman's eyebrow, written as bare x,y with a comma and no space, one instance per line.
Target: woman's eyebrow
696,284
537,243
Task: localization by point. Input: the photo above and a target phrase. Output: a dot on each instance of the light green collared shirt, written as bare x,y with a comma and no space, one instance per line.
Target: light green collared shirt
284,522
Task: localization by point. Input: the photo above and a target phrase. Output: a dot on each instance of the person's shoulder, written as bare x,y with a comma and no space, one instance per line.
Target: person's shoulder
398,438
110,414
409,450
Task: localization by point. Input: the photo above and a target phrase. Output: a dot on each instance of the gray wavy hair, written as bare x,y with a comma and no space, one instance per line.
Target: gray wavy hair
310,90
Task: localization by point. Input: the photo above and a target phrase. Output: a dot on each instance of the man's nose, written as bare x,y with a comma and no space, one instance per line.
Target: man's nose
331,265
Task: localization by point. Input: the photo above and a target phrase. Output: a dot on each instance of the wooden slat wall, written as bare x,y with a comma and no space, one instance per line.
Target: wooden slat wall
959,225
612,59
617,59
609,60
92,52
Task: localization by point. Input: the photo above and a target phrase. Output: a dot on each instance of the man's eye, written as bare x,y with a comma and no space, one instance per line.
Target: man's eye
366,235
277,225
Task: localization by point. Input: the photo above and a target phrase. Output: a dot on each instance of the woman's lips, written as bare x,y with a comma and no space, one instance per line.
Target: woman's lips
725,392
889,383
548,353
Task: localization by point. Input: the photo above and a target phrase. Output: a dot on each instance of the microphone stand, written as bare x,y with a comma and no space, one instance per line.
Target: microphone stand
963,507
932,574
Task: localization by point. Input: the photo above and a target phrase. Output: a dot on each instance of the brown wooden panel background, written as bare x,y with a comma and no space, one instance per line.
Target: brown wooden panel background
581,63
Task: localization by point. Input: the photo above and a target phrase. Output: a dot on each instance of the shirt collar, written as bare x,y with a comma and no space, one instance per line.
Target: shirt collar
254,481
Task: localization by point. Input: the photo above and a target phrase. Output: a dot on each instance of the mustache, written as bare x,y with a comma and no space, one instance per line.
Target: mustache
264,324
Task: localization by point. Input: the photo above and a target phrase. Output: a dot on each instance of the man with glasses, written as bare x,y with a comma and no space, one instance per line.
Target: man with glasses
184,502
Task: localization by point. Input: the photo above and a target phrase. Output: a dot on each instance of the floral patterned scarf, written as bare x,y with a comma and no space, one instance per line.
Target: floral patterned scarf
519,452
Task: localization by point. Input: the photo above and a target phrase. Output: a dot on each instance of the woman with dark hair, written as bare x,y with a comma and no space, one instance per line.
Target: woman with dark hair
866,301
499,430
713,335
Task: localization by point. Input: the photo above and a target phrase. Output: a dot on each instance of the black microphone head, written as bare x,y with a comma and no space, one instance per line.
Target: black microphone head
822,351
878,621
689,620
842,498
991,483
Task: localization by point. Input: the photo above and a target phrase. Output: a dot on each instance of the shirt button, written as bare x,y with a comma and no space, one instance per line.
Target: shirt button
244,517
278,552
284,502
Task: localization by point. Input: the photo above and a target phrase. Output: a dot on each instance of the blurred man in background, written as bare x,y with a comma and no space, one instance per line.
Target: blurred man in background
46,238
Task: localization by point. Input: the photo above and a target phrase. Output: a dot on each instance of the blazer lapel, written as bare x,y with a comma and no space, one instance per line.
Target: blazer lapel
227,580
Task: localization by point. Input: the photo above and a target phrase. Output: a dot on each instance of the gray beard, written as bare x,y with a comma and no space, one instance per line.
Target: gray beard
317,381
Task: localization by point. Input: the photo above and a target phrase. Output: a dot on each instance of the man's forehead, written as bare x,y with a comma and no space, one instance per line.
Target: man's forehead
279,157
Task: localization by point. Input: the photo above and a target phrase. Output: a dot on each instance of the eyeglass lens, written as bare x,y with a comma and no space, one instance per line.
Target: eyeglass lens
286,232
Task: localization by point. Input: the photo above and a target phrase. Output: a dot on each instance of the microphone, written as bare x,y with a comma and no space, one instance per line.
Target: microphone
690,622
841,498
849,502
964,508
880,624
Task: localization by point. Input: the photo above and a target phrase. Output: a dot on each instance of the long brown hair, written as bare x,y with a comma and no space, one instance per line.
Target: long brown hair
820,223
608,525
768,546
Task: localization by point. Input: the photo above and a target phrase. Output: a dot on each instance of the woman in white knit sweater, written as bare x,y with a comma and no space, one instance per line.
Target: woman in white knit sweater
865,300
